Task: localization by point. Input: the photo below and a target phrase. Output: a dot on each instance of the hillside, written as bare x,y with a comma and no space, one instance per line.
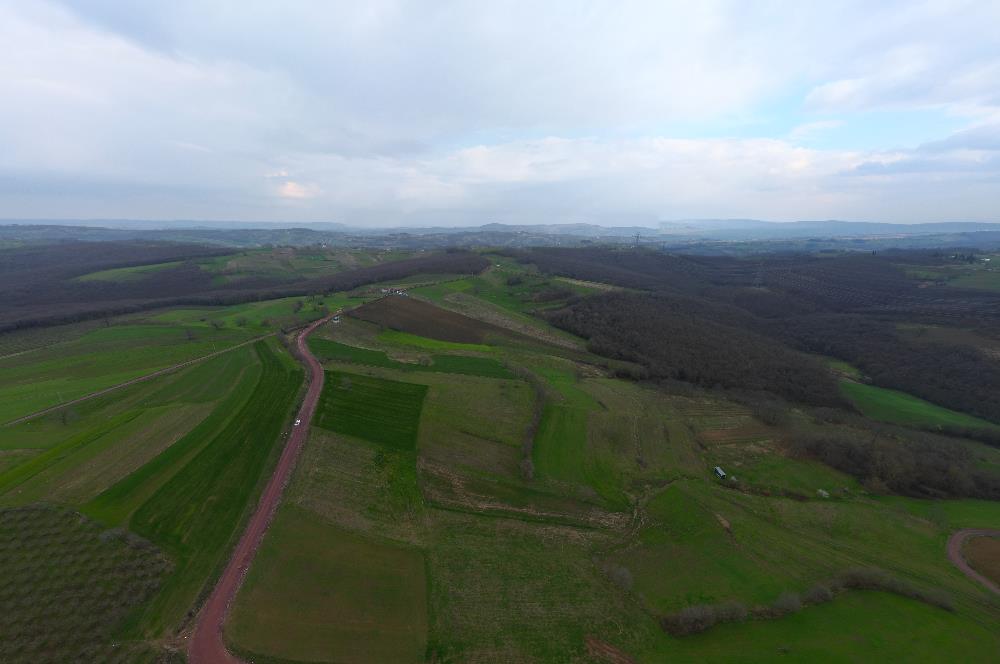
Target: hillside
514,463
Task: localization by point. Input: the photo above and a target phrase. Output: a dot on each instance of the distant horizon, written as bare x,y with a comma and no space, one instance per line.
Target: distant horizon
97,222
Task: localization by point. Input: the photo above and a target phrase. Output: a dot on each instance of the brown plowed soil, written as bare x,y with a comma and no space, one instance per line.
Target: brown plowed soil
408,314
207,646
983,553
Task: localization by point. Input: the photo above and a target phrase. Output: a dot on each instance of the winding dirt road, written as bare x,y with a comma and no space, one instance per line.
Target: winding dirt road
955,543
206,645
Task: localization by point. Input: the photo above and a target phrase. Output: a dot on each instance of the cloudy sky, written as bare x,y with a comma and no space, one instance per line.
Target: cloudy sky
438,112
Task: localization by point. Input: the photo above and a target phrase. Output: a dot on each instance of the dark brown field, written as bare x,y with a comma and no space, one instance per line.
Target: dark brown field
983,553
407,314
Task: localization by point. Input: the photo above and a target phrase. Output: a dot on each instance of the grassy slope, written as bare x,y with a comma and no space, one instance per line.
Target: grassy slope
196,513
316,590
100,359
900,408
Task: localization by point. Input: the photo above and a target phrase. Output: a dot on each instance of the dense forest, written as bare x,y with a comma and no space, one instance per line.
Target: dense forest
667,336
38,284
737,321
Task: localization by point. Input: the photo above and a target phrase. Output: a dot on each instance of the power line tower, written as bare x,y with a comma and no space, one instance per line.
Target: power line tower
635,241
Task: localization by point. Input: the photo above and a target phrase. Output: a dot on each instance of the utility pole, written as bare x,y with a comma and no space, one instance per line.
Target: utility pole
635,241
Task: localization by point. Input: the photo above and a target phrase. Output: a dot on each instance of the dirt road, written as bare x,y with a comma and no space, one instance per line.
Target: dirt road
206,645
955,543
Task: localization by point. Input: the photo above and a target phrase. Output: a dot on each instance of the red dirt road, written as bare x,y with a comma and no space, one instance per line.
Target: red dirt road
955,543
206,646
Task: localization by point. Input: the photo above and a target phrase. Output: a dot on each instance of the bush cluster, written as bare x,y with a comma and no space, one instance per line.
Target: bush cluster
700,617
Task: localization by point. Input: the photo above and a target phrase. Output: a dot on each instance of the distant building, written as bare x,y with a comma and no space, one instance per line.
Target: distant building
719,472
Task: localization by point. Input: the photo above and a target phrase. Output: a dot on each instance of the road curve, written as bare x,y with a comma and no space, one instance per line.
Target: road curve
206,645
955,543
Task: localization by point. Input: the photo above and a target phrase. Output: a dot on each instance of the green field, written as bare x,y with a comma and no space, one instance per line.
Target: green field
74,454
375,409
900,408
129,273
396,337
320,593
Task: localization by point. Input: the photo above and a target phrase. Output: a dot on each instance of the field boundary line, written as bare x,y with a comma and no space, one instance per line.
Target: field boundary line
133,381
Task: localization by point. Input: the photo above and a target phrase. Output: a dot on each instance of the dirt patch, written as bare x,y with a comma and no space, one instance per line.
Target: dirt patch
983,553
414,316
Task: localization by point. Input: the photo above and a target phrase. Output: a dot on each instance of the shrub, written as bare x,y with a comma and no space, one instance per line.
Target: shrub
818,594
787,602
698,618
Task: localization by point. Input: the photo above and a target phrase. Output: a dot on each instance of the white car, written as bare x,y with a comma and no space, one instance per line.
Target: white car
298,422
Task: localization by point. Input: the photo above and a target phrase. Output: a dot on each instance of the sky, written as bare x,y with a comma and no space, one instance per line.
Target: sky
386,113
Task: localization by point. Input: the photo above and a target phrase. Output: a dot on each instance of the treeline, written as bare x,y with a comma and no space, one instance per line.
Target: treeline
662,334
62,301
918,465
847,306
952,375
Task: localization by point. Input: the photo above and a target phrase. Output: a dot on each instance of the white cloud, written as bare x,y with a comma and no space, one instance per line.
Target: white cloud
388,111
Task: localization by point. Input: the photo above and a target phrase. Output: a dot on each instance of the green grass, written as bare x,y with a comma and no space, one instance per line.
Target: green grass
900,408
316,590
100,359
254,317
407,339
81,451
68,584
127,274
841,367
117,503
562,451
196,513
376,409
859,626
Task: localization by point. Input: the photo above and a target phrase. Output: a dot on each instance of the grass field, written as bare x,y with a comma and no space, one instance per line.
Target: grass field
99,359
195,514
406,339
126,274
317,592
375,409
900,408
117,503
72,455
